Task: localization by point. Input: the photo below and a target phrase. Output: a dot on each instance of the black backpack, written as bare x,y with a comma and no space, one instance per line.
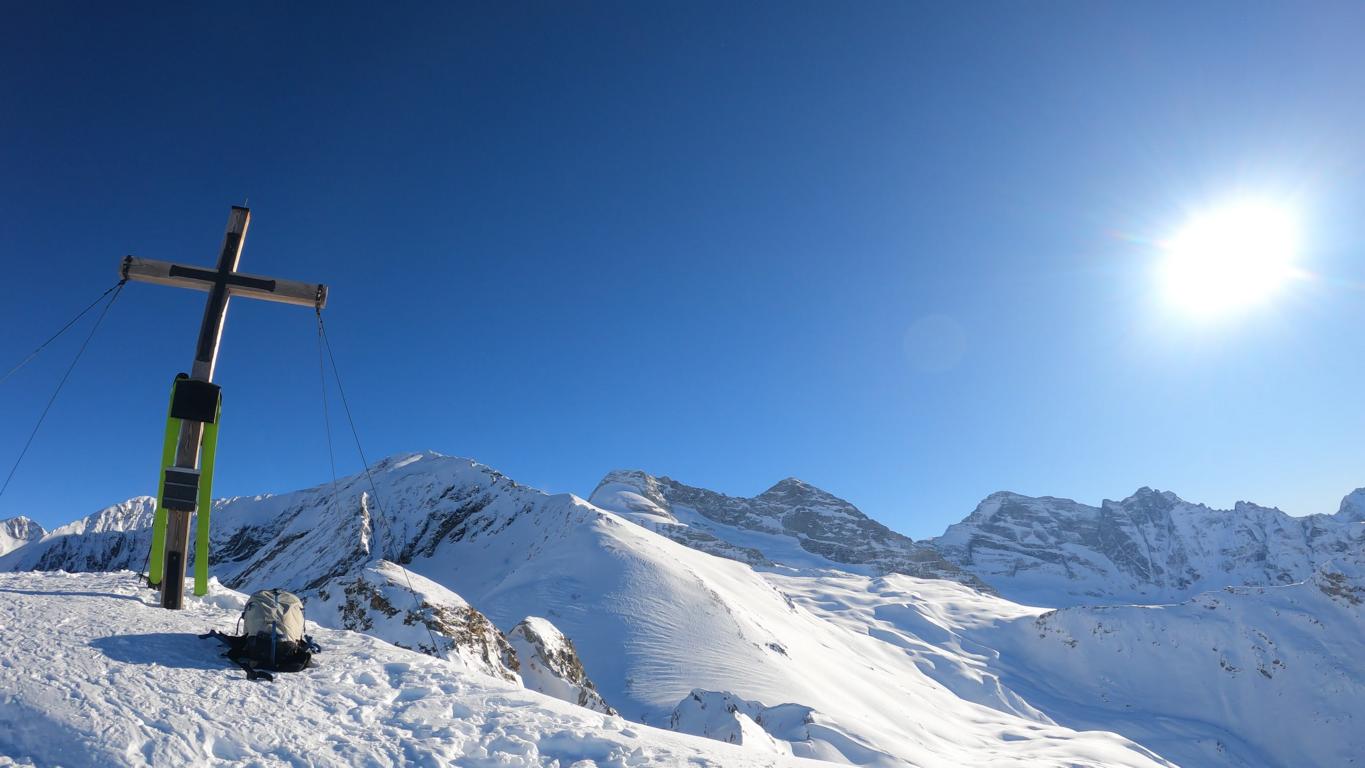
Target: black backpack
273,637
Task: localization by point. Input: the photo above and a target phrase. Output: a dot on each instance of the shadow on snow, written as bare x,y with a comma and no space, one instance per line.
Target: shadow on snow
180,650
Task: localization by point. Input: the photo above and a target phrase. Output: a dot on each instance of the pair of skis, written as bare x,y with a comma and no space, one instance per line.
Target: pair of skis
190,489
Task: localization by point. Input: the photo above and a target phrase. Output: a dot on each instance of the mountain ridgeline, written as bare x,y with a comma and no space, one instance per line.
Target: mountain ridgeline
791,524
1151,547
791,623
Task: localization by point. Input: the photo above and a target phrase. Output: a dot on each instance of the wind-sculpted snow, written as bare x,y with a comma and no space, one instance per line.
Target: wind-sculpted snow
793,524
1149,548
126,683
726,717
1244,676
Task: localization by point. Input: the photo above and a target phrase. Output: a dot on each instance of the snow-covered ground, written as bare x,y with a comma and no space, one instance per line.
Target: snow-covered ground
94,673
1255,676
760,622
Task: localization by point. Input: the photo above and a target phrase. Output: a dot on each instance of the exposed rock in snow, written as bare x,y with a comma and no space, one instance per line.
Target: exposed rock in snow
550,664
379,600
793,523
1151,547
18,531
725,717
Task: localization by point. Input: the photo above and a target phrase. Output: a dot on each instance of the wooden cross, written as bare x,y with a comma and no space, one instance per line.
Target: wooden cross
222,284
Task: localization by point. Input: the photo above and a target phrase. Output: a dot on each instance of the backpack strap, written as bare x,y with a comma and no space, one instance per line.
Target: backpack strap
236,646
252,673
231,641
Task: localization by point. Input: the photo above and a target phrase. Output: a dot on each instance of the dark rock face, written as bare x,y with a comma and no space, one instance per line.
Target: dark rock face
1149,547
818,522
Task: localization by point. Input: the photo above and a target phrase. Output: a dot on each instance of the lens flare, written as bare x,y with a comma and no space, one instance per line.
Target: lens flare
1231,257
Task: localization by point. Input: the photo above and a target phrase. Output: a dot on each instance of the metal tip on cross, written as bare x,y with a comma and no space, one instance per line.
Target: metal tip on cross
196,403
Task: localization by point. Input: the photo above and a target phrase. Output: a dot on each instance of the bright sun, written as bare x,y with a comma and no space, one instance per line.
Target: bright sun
1231,257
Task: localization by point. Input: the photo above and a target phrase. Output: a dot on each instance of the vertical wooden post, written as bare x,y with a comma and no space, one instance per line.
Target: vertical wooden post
194,416
191,432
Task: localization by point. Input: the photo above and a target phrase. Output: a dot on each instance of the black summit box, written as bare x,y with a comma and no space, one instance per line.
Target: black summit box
195,401
180,489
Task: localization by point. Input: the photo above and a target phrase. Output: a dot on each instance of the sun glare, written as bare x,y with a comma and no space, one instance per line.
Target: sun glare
1231,257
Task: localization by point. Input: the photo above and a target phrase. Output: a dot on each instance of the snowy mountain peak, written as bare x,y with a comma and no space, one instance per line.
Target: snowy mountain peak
798,493
1149,498
793,486
1352,507
15,532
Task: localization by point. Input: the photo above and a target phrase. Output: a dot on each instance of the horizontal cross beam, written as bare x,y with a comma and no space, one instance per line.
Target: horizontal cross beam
238,284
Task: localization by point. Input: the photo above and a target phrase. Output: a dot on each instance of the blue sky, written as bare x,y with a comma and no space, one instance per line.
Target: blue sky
904,251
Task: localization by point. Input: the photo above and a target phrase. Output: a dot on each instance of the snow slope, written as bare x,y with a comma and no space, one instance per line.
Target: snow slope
651,619
1245,676
93,673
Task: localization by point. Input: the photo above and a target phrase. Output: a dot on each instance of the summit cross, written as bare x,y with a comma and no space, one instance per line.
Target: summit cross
195,400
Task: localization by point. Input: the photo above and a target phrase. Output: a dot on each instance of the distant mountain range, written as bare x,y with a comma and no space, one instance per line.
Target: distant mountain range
791,622
1151,547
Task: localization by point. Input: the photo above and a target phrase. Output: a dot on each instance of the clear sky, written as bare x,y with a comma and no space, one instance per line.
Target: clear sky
904,251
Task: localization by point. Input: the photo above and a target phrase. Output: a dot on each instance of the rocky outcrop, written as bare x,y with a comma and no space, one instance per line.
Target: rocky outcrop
414,612
550,664
723,716
799,525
